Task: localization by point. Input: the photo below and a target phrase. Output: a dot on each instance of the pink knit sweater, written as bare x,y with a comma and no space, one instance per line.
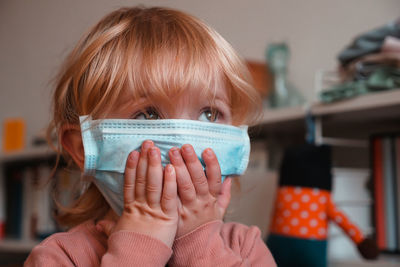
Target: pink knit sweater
212,244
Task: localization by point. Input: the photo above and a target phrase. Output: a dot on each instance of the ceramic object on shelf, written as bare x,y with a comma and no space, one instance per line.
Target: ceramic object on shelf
283,93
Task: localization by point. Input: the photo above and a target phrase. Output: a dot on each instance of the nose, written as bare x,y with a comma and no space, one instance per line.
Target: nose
183,115
183,107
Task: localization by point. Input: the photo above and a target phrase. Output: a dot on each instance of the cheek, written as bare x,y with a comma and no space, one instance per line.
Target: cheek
237,120
227,116
229,121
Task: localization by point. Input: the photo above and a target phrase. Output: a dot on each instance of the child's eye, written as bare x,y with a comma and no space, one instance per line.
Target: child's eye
148,114
210,115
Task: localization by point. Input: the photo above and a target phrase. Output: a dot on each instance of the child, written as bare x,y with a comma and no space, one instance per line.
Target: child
147,64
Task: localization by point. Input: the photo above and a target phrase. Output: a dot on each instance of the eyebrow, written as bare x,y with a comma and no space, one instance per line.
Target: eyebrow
221,94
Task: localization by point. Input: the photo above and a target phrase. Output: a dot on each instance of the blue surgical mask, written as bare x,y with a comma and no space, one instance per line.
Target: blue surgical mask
108,142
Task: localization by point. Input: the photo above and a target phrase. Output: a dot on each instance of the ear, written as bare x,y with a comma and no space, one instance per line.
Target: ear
71,141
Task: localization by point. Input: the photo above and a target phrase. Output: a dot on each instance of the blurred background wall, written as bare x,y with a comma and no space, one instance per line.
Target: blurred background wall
35,36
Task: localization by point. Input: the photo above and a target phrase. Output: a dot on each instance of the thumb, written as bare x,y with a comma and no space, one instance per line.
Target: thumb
224,196
105,226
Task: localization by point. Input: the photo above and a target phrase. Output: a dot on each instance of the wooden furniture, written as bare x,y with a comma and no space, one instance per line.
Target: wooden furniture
347,126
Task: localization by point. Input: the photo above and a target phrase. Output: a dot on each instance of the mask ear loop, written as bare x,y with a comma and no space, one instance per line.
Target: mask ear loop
85,181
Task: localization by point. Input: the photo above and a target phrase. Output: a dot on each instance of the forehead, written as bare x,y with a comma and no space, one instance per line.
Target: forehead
190,95
172,75
190,100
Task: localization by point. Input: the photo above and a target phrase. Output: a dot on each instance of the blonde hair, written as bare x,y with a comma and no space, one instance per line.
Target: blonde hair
149,52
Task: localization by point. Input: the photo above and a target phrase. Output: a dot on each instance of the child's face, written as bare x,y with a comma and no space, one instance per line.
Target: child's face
192,104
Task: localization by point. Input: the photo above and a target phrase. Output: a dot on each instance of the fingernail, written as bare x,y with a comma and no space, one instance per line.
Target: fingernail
209,152
175,152
187,148
133,155
147,144
169,168
153,152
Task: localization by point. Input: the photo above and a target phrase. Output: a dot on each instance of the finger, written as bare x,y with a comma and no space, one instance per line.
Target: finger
213,171
224,197
169,199
186,190
195,169
105,226
140,183
154,178
129,177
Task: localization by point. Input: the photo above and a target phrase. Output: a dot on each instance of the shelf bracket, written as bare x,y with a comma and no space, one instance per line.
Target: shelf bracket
320,139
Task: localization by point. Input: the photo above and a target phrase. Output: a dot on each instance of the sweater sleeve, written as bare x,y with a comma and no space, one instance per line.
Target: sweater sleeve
219,244
45,255
336,215
133,249
123,249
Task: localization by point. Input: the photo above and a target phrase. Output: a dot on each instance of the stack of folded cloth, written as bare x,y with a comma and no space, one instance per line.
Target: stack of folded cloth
371,63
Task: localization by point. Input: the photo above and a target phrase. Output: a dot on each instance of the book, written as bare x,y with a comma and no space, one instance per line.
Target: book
397,188
385,162
379,207
13,176
27,204
389,194
45,222
2,205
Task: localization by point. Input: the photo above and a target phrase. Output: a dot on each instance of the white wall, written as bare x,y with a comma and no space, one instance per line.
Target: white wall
36,35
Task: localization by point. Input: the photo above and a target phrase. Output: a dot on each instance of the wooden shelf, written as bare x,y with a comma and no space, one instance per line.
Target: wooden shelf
20,246
34,152
363,103
281,120
273,116
367,105
382,261
381,110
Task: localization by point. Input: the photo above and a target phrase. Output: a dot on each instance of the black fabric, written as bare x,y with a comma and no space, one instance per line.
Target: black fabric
307,166
369,42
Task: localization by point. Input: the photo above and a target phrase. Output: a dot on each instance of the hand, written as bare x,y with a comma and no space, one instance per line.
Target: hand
202,199
150,207
368,249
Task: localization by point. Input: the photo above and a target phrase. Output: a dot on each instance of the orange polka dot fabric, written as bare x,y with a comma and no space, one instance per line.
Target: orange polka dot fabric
304,212
343,222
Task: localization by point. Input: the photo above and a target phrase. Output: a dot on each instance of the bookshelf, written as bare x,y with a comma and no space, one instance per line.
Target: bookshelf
284,115
20,246
31,165
27,154
366,108
347,125
373,102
